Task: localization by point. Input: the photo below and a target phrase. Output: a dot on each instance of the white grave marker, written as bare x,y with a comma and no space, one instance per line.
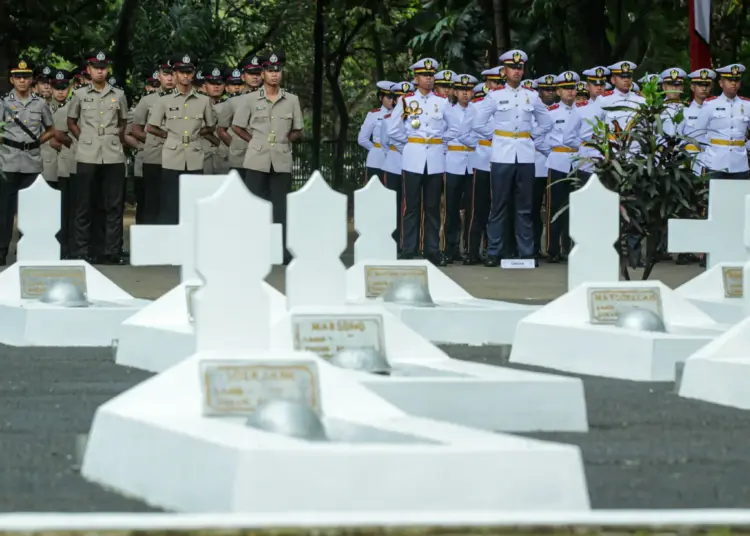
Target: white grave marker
142,441
746,267
375,220
316,236
39,221
721,235
233,313
594,228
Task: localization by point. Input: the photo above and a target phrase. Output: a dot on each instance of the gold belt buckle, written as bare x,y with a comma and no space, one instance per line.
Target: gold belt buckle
101,131
186,139
272,138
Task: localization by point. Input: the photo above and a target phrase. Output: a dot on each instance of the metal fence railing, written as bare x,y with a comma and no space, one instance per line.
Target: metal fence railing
354,161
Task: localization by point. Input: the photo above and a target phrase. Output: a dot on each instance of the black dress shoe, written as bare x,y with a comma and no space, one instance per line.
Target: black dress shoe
492,261
438,259
3,260
555,258
472,261
124,254
405,256
114,260
703,262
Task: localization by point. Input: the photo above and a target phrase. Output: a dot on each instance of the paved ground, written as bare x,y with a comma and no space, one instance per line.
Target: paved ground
647,448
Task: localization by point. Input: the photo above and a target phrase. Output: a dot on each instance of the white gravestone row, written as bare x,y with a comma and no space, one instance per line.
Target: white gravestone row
576,332
425,381
101,305
162,334
193,416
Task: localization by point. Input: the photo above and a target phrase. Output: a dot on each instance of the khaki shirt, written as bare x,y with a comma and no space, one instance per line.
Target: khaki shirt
99,114
65,157
209,151
184,116
269,123
225,115
35,114
49,155
154,146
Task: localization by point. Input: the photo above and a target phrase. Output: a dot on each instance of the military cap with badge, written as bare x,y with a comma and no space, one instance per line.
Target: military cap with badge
623,69
273,61
402,88
98,58
384,88
597,76
152,78
465,82
733,72
252,63
567,80
183,62
43,73
425,67
22,68
60,79
480,90
581,90
674,76
213,75
702,77
495,74
445,78
546,82
233,76
529,84
514,59
114,82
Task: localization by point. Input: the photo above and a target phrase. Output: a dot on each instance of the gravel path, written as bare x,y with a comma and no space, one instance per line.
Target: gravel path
647,448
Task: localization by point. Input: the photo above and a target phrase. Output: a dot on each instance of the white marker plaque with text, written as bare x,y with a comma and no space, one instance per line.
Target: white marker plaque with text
606,304
326,335
379,278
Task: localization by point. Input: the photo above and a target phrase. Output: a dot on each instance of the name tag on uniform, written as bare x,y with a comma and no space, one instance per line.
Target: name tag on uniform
88,100
260,107
721,109
560,121
174,109
503,102
693,117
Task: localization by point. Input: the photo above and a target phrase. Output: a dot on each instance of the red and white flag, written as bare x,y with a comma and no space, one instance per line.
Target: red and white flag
700,34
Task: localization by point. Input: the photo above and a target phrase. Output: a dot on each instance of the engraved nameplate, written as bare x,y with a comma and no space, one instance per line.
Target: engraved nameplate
732,280
606,304
379,278
326,335
34,280
237,387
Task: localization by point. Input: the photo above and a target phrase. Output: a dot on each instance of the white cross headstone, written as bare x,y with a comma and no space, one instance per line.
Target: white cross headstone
157,245
316,236
231,308
39,221
721,235
375,220
594,228
746,267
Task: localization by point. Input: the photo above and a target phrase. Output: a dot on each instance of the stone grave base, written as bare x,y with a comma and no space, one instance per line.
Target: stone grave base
719,372
32,323
161,335
152,443
459,317
706,291
428,383
560,336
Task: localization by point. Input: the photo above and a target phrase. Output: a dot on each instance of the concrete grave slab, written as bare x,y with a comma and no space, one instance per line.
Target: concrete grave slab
158,443
26,321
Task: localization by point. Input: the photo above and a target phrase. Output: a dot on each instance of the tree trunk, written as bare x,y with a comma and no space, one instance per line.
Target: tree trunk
593,18
6,47
317,100
501,17
337,180
379,64
121,54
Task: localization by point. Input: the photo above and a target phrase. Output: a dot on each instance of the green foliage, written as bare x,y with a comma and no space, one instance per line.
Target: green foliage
649,168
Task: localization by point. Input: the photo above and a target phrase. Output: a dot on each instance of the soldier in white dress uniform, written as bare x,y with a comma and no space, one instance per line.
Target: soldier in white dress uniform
457,181
596,81
418,122
392,150
545,86
622,95
559,163
369,132
494,77
478,193
444,84
507,115
722,127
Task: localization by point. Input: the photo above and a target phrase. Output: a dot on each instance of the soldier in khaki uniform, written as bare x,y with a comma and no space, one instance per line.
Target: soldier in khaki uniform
60,82
153,145
214,152
42,87
187,116
251,74
96,117
28,124
270,122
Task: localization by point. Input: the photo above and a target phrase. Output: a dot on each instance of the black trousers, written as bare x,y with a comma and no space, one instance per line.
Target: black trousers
477,211
370,171
151,193
98,209
64,186
392,181
740,175
421,198
537,199
274,187
511,183
454,187
169,195
558,194
10,184
139,189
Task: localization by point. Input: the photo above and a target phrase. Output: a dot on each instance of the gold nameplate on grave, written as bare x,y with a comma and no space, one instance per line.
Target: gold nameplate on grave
238,387
34,280
379,278
606,304
326,335
190,291
731,277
